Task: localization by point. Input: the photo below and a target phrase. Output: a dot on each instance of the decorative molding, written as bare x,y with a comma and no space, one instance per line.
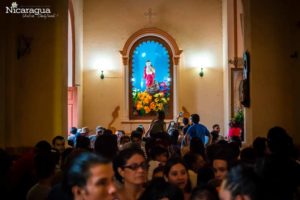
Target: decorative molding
155,32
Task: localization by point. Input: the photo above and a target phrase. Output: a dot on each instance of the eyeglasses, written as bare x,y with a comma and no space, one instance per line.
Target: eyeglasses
135,166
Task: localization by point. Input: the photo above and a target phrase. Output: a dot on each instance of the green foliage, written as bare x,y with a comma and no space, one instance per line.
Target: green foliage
239,117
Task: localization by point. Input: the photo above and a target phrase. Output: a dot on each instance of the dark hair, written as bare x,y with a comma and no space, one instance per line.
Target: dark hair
215,125
79,172
190,159
106,145
73,130
158,188
121,160
161,115
157,150
204,192
215,136
57,138
82,142
279,141
259,146
45,163
171,162
136,134
185,121
42,146
195,118
174,161
243,180
140,129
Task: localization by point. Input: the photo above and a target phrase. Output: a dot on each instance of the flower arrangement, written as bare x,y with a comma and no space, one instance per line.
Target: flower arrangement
145,102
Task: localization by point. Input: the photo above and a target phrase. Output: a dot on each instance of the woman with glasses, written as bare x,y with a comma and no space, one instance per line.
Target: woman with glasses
176,173
130,168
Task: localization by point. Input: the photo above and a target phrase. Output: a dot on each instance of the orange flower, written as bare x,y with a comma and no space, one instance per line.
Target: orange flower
147,109
139,105
146,101
152,105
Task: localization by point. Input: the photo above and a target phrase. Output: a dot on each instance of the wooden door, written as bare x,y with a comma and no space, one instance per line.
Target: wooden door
72,108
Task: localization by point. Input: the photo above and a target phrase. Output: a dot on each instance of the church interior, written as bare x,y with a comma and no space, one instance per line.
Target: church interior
73,67
85,37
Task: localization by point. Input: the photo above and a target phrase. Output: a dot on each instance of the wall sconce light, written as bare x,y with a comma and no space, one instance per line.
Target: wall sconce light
201,74
102,75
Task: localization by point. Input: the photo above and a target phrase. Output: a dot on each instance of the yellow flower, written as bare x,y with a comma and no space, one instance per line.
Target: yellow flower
160,106
147,109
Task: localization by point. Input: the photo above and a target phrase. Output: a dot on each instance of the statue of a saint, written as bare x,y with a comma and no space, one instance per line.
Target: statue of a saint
149,74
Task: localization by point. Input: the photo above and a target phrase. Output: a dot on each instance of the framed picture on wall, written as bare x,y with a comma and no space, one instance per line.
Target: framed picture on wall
245,87
236,84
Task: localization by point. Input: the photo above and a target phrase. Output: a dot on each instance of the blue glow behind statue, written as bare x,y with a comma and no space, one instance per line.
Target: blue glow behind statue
158,55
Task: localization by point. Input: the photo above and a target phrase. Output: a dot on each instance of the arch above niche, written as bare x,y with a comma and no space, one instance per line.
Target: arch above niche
155,32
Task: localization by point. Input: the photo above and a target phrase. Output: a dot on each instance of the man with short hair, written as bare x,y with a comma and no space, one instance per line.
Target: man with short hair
91,177
58,142
197,130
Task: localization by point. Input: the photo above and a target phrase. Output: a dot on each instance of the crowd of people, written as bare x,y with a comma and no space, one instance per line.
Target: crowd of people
182,162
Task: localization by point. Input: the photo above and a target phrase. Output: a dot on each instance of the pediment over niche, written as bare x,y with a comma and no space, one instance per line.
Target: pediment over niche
154,32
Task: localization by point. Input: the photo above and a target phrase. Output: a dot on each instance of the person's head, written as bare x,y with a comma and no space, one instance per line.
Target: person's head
205,192
194,161
44,164
185,121
83,142
220,167
124,139
216,127
58,142
260,146
136,137
222,157
100,130
91,177
176,173
141,129
130,166
161,115
159,154
148,63
73,130
85,131
106,145
159,189
215,136
42,146
240,183
195,118
279,142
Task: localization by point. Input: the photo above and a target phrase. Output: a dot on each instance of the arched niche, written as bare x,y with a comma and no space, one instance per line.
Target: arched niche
164,58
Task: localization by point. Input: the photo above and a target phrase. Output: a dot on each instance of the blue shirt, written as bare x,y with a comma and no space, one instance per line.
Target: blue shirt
199,131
